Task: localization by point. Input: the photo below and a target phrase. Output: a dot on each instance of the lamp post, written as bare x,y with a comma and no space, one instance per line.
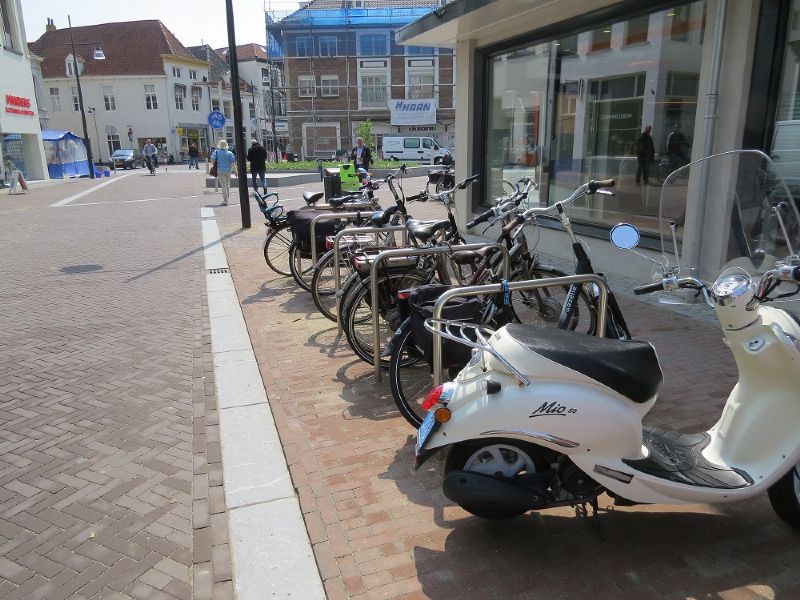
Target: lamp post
93,112
98,55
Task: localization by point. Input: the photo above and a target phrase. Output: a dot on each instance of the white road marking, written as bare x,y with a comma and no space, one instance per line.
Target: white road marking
80,195
139,200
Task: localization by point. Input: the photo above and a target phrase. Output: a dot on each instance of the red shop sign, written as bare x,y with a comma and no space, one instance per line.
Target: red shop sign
18,105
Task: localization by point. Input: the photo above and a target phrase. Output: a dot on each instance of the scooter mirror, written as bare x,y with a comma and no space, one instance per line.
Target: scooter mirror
625,236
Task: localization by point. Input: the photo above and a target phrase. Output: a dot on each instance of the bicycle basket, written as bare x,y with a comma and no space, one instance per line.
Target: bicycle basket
434,176
300,224
421,302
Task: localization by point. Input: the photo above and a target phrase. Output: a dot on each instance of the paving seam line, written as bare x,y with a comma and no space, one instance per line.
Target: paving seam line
271,553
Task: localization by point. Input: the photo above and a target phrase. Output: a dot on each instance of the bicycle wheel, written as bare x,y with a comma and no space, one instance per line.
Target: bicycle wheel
410,377
543,306
323,283
357,313
301,266
276,249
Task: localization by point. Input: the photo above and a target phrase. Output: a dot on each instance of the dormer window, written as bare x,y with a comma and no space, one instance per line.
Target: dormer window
70,66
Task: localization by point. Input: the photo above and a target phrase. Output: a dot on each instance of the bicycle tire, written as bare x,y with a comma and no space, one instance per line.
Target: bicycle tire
301,267
410,377
276,249
323,289
357,313
542,307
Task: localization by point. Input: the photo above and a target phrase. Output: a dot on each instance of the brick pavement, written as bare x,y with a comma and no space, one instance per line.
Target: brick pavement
110,474
380,532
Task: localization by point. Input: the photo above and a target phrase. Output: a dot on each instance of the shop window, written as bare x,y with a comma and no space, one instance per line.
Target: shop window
55,99
150,97
108,97
636,30
563,115
786,139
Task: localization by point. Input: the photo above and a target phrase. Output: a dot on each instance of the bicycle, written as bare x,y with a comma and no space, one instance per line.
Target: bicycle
279,238
410,368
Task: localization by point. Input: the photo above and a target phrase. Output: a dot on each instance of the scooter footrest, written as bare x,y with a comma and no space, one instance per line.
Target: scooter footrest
678,457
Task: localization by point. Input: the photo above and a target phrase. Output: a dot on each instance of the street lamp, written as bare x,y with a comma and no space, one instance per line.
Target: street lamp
98,55
93,112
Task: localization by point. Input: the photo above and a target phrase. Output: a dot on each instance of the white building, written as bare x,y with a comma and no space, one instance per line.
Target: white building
152,89
20,132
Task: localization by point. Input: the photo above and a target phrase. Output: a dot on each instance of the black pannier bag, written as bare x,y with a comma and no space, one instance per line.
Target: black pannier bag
465,308
434,176
300,224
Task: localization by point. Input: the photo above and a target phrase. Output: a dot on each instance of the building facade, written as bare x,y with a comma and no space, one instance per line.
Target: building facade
154,90
565,100
20,131
343,66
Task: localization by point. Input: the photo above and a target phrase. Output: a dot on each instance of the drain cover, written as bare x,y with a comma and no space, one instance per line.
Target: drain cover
80,269
217,271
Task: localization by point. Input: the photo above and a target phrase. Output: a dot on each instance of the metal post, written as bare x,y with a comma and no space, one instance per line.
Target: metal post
332,216
80,102
387,254
495,288
337,276
244,198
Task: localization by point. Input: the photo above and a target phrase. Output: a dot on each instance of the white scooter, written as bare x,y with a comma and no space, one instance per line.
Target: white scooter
545,417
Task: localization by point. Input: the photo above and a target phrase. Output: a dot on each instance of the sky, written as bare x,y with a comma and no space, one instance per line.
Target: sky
192,21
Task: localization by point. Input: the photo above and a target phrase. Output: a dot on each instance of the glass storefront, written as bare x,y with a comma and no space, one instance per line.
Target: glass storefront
575,109
786,139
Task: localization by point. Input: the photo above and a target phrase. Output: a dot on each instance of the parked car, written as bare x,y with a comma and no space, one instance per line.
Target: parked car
412,147
127,159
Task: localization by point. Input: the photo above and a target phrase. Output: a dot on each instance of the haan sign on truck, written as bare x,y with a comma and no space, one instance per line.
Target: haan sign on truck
413,112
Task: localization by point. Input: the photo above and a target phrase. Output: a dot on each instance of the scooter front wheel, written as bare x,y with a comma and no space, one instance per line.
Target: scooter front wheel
784,496
499,458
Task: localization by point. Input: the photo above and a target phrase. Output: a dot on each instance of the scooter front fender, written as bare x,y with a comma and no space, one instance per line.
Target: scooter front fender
568,417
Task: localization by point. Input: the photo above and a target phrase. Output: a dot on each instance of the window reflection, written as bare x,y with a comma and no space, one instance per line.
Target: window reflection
575,109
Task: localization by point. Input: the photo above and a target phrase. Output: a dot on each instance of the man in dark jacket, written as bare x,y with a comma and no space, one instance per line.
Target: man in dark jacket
257,155
361,155
645,154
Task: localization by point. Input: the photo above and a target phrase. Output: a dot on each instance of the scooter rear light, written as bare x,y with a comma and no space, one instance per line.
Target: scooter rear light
432,397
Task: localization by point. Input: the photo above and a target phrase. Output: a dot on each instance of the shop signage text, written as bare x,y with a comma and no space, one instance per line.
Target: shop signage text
413,112
18,105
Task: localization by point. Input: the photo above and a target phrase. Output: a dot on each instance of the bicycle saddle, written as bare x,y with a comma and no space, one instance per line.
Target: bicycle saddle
425,230
311,198
468,257
341,200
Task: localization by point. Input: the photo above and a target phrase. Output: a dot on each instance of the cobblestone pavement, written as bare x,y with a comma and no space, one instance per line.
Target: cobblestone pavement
110,476
380,532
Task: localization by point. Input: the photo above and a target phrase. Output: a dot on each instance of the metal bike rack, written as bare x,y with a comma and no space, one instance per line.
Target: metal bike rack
337,276
387,254
494,288
329,217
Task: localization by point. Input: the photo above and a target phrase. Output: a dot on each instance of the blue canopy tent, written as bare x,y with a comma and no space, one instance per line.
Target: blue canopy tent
66,154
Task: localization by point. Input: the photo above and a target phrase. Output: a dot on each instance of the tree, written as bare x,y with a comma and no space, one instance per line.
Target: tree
365,132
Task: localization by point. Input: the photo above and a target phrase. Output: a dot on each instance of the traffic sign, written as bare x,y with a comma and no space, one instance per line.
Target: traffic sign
216,120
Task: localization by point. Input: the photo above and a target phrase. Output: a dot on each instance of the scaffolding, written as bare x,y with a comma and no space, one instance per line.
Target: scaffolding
325,42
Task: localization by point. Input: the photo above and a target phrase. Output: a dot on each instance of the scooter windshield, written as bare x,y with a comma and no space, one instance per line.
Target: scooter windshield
732,209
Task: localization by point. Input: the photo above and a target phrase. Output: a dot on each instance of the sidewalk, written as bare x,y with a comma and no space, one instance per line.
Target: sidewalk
379,531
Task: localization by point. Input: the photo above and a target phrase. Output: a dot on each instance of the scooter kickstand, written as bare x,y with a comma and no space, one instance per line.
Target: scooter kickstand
593,519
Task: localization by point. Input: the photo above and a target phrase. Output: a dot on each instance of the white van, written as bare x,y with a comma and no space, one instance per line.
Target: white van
410,147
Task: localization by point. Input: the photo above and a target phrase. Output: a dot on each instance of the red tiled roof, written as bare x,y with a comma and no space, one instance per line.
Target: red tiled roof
246,52
131,48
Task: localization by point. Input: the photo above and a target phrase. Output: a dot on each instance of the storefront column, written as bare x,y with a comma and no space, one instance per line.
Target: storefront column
37,165
466,161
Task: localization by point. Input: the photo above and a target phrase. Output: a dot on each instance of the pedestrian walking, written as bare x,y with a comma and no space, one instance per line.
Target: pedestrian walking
226,164
645,154
257,157
676,148
361,155
194,155
150,156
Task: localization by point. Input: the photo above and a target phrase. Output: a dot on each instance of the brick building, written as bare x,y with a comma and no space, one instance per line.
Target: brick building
343,66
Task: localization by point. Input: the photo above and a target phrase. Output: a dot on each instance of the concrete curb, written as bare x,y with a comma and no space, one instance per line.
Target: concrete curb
270,548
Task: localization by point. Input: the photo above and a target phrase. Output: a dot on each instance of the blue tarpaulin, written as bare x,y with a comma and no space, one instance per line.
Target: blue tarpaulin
66,154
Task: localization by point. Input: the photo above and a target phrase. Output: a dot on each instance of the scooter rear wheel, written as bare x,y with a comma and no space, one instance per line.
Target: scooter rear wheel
784,496
498,457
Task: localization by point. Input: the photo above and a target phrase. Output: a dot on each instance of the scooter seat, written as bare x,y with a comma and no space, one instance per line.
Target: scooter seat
628,367
425,230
